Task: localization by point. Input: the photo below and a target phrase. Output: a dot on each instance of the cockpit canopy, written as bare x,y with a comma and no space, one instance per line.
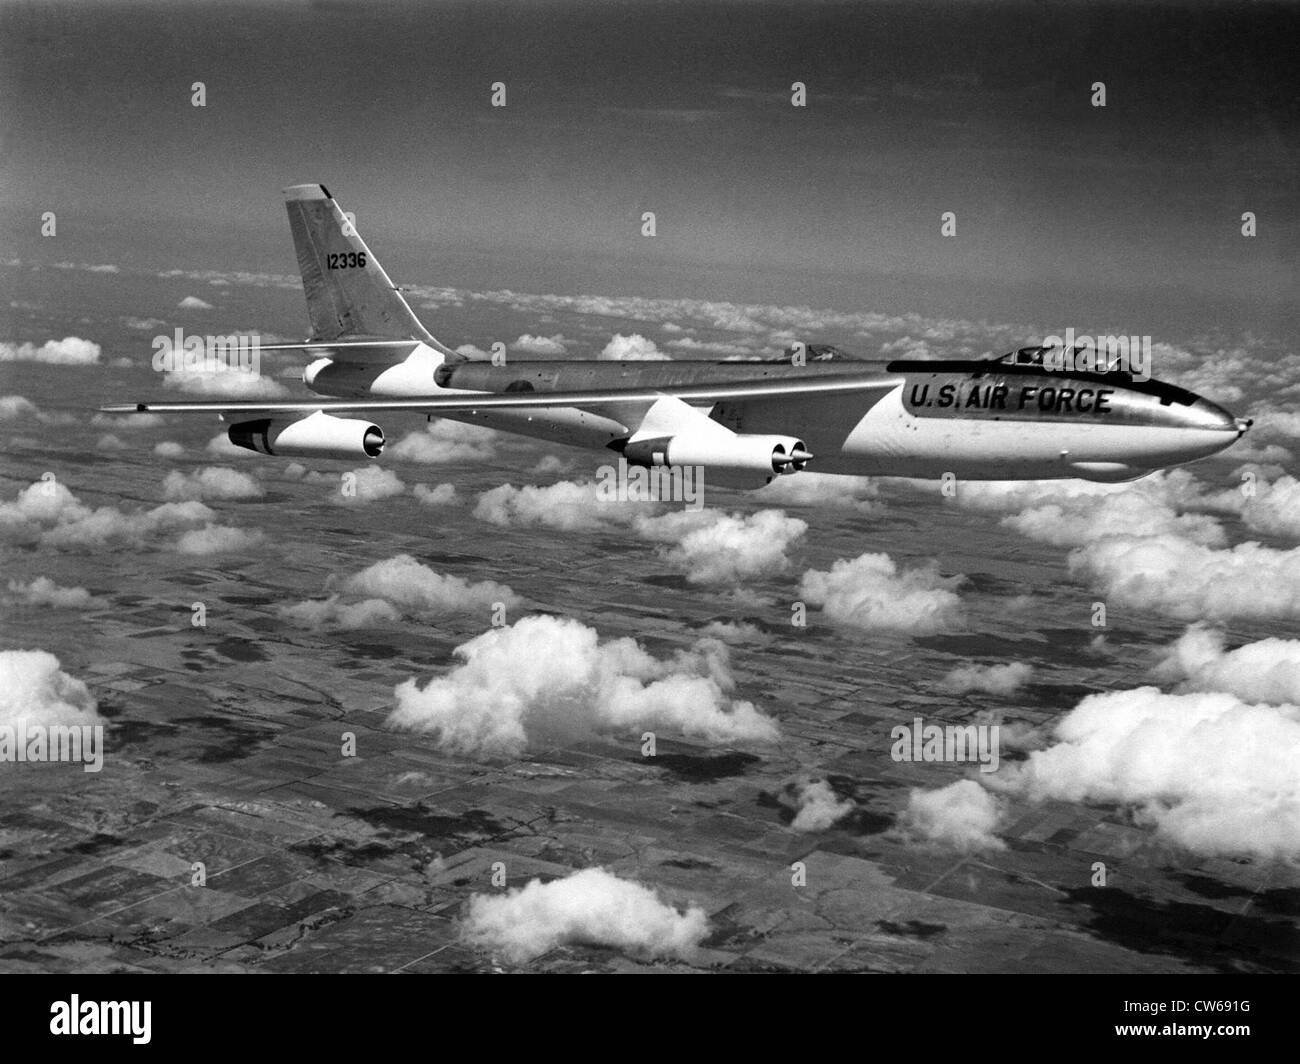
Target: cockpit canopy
1053,356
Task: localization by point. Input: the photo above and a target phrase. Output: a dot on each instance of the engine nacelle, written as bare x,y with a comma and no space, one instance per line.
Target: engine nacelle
318,435
729,458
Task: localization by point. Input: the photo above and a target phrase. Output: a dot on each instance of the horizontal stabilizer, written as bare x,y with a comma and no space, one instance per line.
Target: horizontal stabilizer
364,352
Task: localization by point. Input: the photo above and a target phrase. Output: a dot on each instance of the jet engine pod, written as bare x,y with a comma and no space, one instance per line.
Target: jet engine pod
769,455
739,451
728,459
318,435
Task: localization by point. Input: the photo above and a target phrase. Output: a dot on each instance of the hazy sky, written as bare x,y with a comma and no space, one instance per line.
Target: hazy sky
1065,211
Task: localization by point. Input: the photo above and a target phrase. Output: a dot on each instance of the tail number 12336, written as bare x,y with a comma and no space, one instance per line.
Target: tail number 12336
345,260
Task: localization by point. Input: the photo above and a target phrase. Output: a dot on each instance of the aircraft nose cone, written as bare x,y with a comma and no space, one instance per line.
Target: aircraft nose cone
1205,427
1209,416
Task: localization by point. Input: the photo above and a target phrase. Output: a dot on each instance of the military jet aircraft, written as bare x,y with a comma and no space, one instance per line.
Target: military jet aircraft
746,423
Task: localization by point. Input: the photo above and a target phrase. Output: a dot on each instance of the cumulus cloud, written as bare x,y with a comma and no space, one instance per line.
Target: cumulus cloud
44,502
442,442
550,680
822,489
128,421
988,679
1270,456
1274,508
634,348
89,267
1190,581
735,632
109,442
871,592
907,347
13,407
718,548
143,324
193,303
172,449
1154,544
400,587
217,539
19,408
365,485
962,815
406,582
1278,423
1085,518
539,345
225,384
1013,496
43,591
352,487
550,463
48,514
592,907
1211,772
780,324
1265,671
818,806
441,495
568,506
333,612
211,482
34,690
70,351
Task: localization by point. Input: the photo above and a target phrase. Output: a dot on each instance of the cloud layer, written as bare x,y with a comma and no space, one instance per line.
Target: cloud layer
396,588
211,482
48,514
872,592
987,679
592,907
962,815
1210,772
443,442
818,807
1158,545
70,351
551,680
1266,671
34,690
720,548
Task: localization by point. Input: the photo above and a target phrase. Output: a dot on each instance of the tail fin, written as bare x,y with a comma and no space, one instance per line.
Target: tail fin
349,296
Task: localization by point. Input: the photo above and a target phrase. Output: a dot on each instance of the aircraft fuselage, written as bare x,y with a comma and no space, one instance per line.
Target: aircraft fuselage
974,419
